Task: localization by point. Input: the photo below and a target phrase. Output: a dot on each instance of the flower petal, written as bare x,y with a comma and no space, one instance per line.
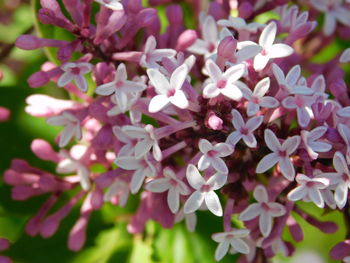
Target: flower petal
213,203
222,250
265,224
268,35
194,178
160,83
173,199
271,140
193,202
260,194
250,212
158,185
179,99
267,162
158,103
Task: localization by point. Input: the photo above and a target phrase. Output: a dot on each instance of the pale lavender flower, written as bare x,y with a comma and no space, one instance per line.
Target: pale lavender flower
311,143
120,87
264,209
344,132
190,219
280,154
223,83
173,185
168,91
345,56
71,127
309,189
232,238
117,190
302,105
212,155
257,98
270,50
76,72
204,191
244,130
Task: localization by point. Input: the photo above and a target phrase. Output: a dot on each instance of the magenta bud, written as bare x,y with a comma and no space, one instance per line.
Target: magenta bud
146,17
245,10
44,151
38,79
28,42
186,39
77,235
214,122
97,198
340,250
174,14
338,88
4,244
226,47
4,114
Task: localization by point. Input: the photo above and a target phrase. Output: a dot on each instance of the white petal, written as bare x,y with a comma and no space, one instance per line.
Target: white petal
221,250
223,149
250,140
252,108
81,83
234,73
271,140
269,102
250,212
158,185
293,75
291,144
120,74
219,165
297,193
160,83
303,117
234,138
247,52
265,224
276,209
211,91
209,29
262,87
260,62
341,195
278,73
194,178
204,162
240,246
67,135
340,164
213,70
260,194
329,25
280,51
254,123
106,89
173,199
316,197
158,103
268,35
178,77
345,56
128,162
287,168
137,181
213,203
231,91
65,78
204,145
193,202
179,99
267,162
217,181
142,148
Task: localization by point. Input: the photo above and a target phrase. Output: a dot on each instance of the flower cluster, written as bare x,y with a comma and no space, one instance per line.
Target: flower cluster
193,119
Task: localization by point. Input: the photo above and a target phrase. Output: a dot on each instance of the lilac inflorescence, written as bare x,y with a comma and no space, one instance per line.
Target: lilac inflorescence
233,112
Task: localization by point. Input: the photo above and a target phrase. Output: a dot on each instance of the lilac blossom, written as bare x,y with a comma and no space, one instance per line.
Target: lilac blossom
204,191
312,146
345,56
264,209
115,5
76,72
280,154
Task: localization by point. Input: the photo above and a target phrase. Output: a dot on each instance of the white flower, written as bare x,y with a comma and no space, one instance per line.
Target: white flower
204,191
212,155
345,56
151,55
75,71
173,185
290,83
344,132
302,105
309,189
114,5
270,50
208,45
129,147
340,179
264,209
257,98
334,11
241,26
119,190
168,91
120,87
309,139
71,164
146,140
143,168
190,219
280,154
223,83
72,127
244,130
233,238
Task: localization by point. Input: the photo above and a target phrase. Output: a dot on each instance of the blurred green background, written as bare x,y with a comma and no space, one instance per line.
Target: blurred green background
107,238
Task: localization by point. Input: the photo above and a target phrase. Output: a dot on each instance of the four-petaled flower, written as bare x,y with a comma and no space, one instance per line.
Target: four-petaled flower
146,140
75,71
340,180
312,146
151,55
257,98
212,155
244,130
223,83
120,87
204,191
234,239
72,127
270,50
309,189
143,168
169,91
280,154
117,193
173,185
264,209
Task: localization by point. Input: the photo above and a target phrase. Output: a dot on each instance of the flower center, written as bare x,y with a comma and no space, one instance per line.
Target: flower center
171,92
264,52
221,84
75,71
282,153
211,47
206,188
212,153
265,206
244,131
119,84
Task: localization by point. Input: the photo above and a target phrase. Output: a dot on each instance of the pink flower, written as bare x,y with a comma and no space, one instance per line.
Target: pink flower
223,83
309,189
270,50
280,154
72,127
264,209
257,98
169,91
212,155
173,185
120,87
234,239
151,55
244,130
204,191
75,71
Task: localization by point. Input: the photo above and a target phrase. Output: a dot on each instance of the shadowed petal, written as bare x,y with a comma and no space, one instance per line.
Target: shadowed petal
193,202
